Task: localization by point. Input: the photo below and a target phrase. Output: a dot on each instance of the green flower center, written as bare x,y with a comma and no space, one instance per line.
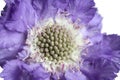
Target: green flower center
55,43
56,46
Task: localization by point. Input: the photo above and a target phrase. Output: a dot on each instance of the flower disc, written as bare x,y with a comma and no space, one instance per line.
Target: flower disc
55,45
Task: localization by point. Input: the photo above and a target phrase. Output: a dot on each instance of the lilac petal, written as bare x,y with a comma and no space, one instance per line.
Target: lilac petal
78,9
12,70
18,15
113,41
1,26
96,20
113,44
58,75
77,75
94,29
108,48
10,44
99,69
44,8
17,70
102,60
41,7
61,4
82,9
40,73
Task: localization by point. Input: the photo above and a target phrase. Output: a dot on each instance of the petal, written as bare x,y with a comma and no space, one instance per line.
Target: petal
1,26
113,44
102,60
108,48
82,9
44,8
18,15
61,4
39,73
12,70
17,70
57,76
10,44
96,20
94,28
99,69
77,75
113,41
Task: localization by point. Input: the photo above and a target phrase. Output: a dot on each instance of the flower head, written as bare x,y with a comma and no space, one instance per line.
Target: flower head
52,39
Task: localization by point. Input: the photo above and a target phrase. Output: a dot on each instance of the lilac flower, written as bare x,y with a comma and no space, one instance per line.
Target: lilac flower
56,40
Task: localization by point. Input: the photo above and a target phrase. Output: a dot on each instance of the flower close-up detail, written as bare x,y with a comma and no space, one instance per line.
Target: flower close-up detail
56,40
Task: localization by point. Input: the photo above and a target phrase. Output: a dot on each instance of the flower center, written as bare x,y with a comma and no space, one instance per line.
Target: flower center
56,46
55,43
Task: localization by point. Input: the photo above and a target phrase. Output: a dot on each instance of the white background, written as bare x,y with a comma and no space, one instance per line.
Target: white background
110,11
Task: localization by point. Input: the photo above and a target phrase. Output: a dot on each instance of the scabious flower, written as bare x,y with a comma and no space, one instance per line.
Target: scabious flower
56,40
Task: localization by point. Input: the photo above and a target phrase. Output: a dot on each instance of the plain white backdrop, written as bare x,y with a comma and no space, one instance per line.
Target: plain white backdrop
110,11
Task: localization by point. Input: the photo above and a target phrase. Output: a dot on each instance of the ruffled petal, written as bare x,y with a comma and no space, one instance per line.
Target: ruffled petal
44,8
61,4
12,70
82,9
94,29
108,48
57,76
39,73
99,69
17,70
10,45
68,75
71,75
102,60
78,10
18,15
112,42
